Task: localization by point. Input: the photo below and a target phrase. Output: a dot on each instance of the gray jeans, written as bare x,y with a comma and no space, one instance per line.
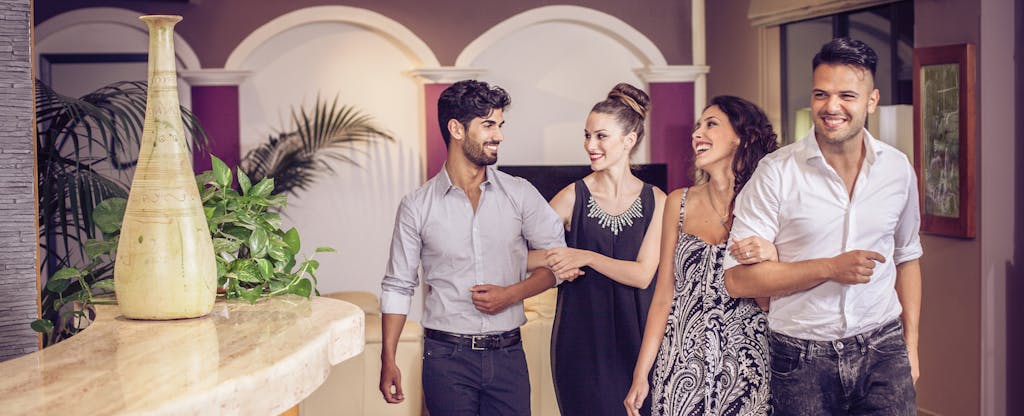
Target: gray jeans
866,374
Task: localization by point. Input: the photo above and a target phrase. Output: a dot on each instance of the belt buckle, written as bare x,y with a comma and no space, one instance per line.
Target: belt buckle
473,345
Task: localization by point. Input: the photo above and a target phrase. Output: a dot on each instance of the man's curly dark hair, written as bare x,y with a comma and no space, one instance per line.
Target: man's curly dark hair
466,100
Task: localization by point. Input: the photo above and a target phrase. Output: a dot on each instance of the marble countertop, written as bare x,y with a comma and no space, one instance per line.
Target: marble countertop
241,359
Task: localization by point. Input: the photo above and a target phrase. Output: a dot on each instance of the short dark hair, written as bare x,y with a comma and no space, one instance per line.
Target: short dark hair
846,51
466,100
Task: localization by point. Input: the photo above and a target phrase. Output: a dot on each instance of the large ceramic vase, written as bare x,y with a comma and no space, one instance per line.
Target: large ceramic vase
165,266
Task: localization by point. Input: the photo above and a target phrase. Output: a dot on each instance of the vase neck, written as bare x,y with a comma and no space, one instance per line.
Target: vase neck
161,42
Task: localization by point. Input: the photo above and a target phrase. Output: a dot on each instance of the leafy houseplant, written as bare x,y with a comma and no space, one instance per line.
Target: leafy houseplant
255,257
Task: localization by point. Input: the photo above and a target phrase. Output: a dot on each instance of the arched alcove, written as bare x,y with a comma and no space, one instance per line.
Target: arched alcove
556,62
363,58
83,49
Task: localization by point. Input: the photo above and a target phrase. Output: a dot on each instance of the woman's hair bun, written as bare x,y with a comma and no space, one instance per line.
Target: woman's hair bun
632,97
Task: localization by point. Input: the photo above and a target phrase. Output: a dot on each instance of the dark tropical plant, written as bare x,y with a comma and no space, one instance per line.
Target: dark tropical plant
77,140
296,158
72,291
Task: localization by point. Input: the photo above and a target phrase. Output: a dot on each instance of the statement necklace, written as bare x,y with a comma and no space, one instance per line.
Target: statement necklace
722,218
615,222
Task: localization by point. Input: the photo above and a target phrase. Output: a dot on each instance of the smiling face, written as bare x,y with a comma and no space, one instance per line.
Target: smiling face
480,140
841,100
714,140
605,142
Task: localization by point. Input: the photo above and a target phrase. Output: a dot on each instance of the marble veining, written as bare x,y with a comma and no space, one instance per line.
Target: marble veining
241,359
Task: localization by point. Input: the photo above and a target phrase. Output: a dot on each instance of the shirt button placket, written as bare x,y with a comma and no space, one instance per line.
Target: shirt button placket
478,263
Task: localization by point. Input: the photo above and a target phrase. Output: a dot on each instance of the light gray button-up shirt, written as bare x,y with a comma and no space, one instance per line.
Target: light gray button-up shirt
436,228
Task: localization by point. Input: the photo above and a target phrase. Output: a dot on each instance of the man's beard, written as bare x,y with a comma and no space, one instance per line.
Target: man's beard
475,153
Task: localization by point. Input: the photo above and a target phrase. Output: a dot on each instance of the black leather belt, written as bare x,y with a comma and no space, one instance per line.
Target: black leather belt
476,342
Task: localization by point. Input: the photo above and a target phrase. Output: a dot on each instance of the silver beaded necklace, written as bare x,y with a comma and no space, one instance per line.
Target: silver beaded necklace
615,222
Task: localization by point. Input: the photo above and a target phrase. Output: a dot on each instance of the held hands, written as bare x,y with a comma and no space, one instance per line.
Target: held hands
566,262
391,376
752,250
491,299
636,396
854,267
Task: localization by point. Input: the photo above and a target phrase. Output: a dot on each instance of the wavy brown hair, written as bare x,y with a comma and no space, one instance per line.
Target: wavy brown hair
757,138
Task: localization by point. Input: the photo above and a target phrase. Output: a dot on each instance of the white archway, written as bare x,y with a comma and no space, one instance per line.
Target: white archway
374,21
112,15
632,39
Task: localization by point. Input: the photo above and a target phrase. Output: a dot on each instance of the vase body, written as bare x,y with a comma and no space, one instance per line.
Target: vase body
165,267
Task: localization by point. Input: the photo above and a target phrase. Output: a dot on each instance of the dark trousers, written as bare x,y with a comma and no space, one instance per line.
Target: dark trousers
866,374
458,380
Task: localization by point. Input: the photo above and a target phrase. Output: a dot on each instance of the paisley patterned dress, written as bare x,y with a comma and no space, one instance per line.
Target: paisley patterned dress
713,359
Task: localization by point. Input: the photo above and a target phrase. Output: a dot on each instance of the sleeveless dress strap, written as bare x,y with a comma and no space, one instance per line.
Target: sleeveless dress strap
682,207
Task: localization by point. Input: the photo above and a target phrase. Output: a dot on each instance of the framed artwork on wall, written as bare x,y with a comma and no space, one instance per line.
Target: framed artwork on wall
944,138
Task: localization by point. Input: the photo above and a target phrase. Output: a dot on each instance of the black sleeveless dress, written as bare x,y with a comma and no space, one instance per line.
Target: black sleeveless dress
599,323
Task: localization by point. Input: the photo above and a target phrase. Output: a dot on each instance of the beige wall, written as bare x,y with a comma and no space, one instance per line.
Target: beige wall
732,46
736,52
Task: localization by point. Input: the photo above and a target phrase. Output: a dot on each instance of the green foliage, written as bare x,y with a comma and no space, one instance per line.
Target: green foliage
72,291
296,158
255,257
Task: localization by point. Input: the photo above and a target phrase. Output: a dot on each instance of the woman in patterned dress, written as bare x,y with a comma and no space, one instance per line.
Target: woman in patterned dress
613,228
713,357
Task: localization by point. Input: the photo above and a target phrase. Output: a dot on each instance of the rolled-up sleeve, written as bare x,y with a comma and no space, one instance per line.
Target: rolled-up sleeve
907,238
757,208
542,227
401,277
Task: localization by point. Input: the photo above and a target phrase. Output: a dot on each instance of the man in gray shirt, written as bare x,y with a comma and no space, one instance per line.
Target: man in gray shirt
470,228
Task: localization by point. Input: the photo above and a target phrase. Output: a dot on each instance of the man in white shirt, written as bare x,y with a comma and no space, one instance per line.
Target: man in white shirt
842,210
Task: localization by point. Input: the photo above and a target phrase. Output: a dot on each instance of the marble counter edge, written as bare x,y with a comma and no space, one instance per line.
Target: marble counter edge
298,371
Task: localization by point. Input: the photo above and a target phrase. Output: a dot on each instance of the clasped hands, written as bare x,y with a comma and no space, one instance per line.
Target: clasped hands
566,262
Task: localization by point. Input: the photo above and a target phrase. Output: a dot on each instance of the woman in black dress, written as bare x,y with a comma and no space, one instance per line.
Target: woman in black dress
613,228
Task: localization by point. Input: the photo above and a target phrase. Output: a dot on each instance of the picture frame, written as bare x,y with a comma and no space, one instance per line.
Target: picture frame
944,138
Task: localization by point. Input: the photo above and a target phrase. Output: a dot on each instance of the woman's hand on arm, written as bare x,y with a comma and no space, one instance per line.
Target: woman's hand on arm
752,250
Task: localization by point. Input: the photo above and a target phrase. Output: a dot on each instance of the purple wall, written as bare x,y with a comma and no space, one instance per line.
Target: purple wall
215,27
217,110
436,153
671,124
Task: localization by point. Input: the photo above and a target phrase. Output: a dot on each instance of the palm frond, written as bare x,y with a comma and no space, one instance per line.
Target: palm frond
76,137
297,158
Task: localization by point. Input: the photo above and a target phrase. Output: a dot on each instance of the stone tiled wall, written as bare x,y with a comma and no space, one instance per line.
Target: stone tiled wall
17,208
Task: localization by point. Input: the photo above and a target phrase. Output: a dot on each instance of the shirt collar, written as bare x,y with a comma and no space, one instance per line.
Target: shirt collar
445,184
812,150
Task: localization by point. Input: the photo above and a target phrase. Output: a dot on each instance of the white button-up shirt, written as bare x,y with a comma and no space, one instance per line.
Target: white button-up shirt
796,200
437,228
